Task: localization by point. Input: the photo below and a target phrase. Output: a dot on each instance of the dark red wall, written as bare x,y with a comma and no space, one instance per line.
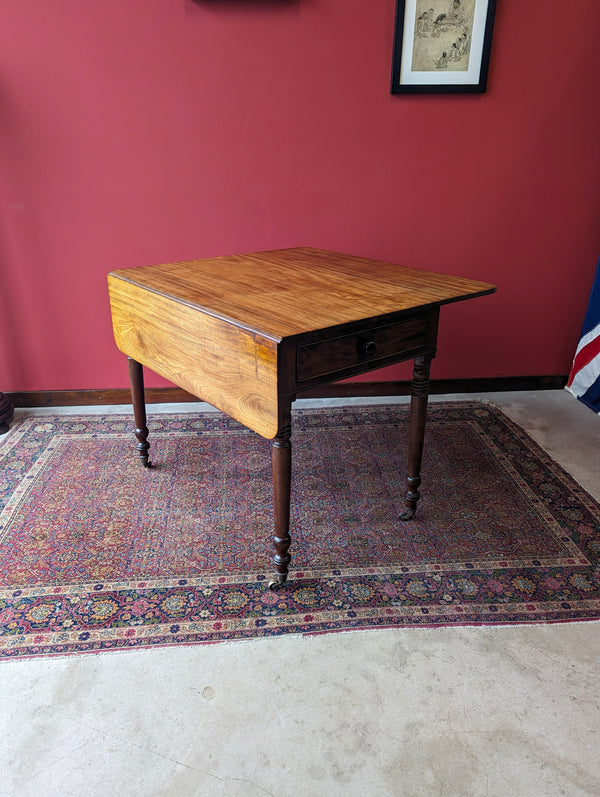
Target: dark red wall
139,131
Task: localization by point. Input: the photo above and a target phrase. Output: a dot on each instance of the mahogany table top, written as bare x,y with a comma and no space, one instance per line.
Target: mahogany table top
286,292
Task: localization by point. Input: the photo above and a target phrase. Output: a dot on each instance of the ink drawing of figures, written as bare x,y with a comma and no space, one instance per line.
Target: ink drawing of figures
443,30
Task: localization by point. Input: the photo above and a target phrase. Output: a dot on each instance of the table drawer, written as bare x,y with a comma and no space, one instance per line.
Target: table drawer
360,348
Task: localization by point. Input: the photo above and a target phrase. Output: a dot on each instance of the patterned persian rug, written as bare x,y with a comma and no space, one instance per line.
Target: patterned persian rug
98,553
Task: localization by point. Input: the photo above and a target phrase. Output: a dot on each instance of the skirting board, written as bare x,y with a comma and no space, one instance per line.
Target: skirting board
167,395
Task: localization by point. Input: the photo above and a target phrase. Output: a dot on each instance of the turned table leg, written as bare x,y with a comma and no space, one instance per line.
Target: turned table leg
416,433
136,378
281,452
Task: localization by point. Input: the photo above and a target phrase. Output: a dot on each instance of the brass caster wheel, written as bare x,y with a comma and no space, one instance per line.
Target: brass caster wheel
277,582
408,514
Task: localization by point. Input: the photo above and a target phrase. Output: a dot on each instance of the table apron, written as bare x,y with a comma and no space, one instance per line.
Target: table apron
370,347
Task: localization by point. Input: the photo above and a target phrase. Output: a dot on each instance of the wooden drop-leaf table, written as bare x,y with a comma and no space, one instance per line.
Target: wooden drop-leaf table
247,333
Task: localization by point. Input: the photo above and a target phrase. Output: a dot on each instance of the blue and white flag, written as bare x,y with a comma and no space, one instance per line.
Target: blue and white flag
584,378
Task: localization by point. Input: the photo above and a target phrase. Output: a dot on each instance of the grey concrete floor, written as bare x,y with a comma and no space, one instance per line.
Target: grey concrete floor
460,712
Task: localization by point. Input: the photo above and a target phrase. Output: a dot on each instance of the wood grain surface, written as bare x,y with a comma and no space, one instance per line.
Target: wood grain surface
231,368
245,332
292,291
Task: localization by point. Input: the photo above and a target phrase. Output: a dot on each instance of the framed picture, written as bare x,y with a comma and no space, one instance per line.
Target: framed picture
442,45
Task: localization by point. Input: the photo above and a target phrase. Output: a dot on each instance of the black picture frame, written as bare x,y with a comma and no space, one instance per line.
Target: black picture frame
442,46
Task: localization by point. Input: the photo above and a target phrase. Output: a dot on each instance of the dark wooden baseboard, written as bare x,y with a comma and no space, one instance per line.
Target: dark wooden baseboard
168,395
